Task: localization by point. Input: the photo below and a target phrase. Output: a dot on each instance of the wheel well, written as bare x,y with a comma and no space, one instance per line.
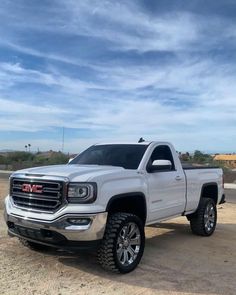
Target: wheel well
210,191
134,203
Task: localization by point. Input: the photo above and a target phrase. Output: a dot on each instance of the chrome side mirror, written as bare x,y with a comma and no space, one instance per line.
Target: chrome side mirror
160,165
70,160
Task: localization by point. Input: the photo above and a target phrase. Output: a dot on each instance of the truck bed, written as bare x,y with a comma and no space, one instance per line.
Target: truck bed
187,166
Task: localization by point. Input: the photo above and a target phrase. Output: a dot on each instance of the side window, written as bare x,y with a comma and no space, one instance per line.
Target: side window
162,152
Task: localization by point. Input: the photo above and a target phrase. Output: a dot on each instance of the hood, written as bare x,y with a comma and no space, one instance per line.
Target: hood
73,172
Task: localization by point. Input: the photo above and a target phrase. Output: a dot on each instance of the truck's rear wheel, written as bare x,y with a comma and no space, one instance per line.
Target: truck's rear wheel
123,244
203,222
34,246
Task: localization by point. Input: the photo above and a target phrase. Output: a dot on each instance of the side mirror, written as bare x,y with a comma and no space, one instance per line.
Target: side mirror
70,160
160,165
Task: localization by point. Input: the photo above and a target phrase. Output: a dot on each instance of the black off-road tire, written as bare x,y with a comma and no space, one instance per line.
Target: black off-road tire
197,220
34,246
107,252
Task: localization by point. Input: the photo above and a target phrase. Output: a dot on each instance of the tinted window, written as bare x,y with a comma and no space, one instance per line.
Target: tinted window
127,156
162,152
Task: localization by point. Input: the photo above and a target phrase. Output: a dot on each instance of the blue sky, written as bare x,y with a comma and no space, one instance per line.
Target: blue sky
118,70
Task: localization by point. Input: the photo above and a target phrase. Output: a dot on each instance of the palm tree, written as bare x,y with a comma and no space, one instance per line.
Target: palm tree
26,148
29,145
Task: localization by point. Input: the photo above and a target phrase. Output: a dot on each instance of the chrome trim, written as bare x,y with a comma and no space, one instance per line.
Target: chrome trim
38,176
128,244
78,227
62,195
35,197
31,205
91,232
37,210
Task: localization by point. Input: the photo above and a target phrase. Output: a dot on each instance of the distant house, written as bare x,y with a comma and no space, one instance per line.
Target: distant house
228,160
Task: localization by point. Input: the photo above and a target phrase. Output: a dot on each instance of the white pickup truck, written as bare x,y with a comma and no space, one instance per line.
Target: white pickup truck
106,195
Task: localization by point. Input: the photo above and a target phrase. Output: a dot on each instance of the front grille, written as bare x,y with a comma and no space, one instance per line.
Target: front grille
37,194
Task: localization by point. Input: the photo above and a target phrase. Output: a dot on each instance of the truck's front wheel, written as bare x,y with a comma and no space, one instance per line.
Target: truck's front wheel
123,244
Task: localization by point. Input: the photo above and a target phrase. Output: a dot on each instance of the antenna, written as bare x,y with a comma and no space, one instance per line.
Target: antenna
141,140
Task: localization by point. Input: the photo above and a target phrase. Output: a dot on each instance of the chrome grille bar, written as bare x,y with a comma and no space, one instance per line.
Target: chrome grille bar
28,203
48,198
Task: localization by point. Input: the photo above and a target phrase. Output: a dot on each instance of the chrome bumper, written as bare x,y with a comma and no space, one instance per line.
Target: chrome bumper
58,230
89,232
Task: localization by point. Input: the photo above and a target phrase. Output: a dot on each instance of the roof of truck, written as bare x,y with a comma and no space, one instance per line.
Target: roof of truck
139,143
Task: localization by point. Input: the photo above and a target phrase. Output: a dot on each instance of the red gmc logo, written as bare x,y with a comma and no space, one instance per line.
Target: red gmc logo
32,188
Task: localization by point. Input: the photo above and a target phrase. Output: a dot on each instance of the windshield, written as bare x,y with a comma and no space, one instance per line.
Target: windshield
127,156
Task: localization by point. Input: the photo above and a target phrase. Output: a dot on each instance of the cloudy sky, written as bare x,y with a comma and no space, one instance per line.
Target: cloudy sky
118,70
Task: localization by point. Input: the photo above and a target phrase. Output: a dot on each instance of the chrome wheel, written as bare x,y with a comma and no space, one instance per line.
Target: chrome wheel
209,217
128,244
123,243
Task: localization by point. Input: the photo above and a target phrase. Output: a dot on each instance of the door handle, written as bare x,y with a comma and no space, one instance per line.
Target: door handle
178,178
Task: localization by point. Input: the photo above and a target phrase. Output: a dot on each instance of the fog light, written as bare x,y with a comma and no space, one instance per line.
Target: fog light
79,221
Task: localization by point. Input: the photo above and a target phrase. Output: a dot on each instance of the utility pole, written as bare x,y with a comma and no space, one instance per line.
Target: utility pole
63,139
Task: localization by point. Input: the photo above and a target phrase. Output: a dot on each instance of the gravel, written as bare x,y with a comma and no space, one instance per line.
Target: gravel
174,262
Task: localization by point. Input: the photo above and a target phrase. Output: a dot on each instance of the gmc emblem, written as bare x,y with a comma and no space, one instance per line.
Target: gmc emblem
32,188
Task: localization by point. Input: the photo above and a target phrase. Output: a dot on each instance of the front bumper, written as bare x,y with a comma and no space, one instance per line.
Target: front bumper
58,232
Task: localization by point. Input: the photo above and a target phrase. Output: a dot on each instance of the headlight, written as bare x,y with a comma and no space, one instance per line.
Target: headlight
81,193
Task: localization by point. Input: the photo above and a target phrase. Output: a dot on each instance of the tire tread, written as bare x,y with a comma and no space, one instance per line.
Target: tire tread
105,253
197,219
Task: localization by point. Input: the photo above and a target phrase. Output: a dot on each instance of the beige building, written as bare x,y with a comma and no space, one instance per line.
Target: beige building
228,160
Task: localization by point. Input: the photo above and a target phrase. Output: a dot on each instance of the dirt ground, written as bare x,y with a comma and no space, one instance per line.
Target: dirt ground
174,262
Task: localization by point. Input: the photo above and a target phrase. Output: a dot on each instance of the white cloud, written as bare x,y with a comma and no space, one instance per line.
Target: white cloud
126,116
128,27
190,99
124,24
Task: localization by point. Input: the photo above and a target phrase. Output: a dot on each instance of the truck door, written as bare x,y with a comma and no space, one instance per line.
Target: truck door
166,188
